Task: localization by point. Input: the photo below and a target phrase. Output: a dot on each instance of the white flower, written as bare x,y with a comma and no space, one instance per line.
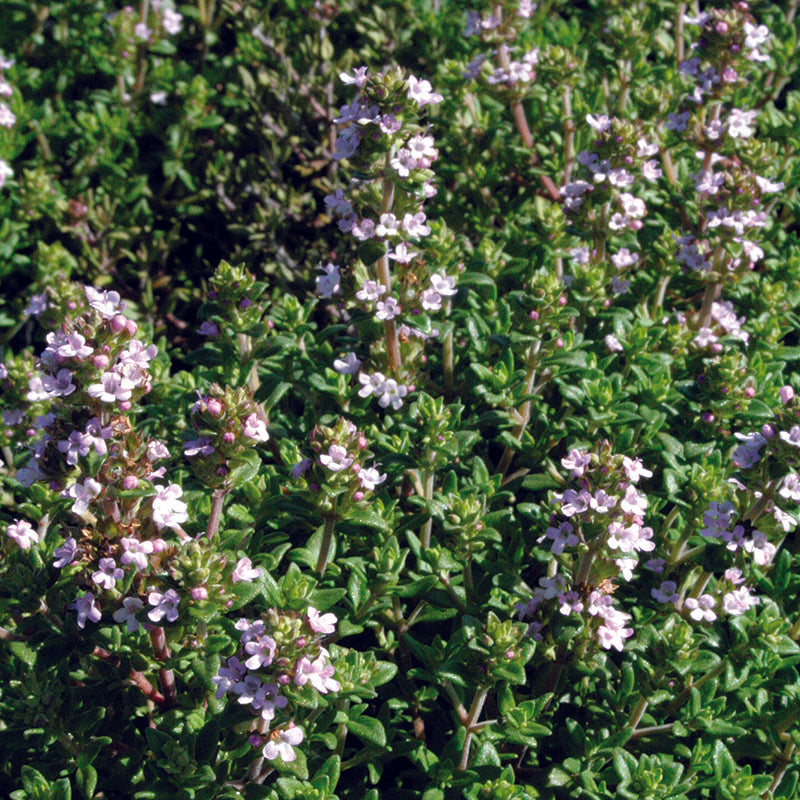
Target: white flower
282,742
369,478
173,21
127,614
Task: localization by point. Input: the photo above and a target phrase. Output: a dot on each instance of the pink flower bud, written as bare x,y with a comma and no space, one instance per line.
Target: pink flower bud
118,323
100,362
214,407
767,431
130,482
132,327
716,347
750,391
562,301
199,593
559,343
228,437
125,405
786,393
358,496
300,642
534,315
159,545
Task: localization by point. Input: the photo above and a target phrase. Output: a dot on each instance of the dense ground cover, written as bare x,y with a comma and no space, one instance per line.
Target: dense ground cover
399,400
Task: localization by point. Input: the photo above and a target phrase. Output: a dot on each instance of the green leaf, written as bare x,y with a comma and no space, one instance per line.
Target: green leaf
61,790
368,729
86,780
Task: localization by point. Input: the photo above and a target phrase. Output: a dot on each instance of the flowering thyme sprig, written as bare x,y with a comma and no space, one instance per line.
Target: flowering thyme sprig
281,660
394,153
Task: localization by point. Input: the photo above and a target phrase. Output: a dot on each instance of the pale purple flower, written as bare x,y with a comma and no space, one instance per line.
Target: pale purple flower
601,123
131,606
431,300
370,291
208,328
357,79
402,254
227,677
7,116
613,344
74,346
349,364
318,673
156,450
387,309
421,92
792,437
738,601
651,171
198,447
632,502
391,393
112,388
108,574
388,225
577,461
86,608
23,533
60,385
445,285
573,502
370,384
755,35
421,147
164,605
321,623
83,494
700,607
414,225
261,650
168,510
336,459
740,123
562,536
255,428
624,258
634,469
369,478
677,122
328,283
173,21
141,31
762,550
65,553
245,571
282,742
403,162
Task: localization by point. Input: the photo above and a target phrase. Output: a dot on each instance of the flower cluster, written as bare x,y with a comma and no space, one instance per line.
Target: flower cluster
730,191
602,197
596,535
380,133
341,465
85,448
7,116
280,659
226,422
